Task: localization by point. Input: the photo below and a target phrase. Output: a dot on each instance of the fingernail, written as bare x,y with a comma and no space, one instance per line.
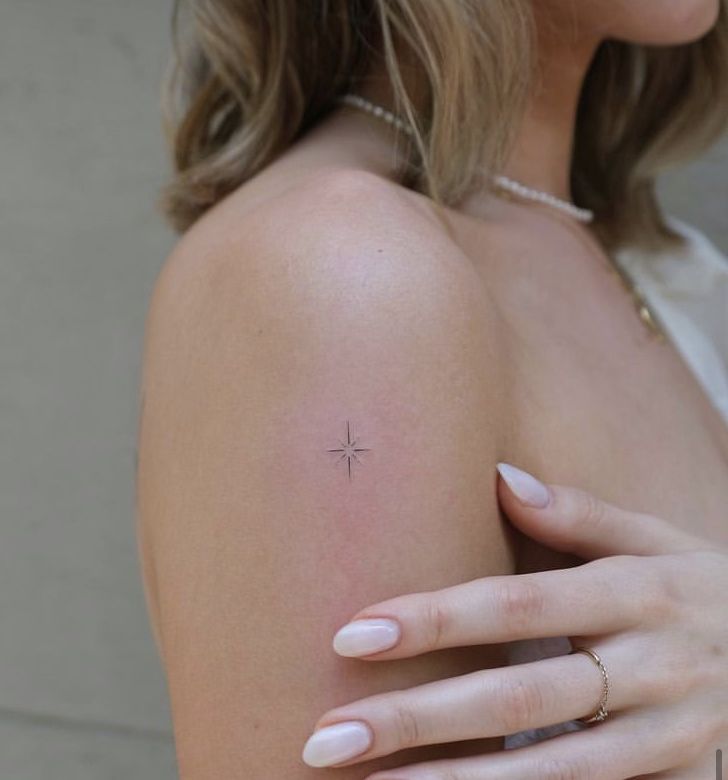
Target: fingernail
527,489
340,742
361,637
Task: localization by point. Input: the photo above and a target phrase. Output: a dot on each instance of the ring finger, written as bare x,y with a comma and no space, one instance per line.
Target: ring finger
487,703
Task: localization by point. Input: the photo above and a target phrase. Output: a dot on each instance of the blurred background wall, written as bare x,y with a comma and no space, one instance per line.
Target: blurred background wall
81,157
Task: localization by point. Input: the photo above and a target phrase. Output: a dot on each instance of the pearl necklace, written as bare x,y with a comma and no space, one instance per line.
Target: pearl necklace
503,182
645,312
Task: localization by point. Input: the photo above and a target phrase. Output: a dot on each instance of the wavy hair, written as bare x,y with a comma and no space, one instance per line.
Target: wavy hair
248,77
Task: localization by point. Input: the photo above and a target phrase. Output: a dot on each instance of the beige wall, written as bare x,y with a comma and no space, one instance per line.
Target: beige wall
81,157
81,692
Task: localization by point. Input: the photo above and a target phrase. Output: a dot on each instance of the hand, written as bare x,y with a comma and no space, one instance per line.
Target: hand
651,600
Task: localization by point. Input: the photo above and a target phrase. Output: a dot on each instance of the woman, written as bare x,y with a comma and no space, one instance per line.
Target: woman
361,322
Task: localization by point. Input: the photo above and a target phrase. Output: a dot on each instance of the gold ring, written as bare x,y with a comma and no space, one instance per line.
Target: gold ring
602,712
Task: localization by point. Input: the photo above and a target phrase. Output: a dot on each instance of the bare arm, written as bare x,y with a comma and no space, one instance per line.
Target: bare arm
322,416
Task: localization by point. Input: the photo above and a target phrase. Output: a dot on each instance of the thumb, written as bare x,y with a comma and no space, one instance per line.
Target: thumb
572,520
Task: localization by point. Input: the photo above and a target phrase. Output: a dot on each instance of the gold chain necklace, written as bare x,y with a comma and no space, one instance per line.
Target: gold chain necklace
510,189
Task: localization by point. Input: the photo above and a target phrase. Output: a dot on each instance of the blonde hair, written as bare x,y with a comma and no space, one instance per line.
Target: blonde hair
250,76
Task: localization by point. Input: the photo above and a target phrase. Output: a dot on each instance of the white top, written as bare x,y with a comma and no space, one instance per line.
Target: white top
688,289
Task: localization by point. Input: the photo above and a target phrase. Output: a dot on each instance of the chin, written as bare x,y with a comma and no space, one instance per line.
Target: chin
661,22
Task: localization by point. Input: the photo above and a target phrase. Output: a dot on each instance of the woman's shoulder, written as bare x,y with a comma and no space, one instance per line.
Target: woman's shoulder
341,210
334,283
329,245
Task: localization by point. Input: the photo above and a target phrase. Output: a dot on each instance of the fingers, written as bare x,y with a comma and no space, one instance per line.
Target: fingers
575,521
596,598
488,703
627,747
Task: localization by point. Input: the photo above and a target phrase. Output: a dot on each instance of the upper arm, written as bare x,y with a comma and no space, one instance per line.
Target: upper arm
257,542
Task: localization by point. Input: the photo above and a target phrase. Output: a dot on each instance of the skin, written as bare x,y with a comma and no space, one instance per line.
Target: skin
321,292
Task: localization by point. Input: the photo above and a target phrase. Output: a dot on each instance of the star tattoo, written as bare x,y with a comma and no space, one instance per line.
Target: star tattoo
349,449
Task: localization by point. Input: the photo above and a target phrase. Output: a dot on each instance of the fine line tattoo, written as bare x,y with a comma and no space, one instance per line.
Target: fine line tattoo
349,449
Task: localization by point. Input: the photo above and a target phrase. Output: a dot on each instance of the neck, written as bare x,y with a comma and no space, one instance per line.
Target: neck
542,150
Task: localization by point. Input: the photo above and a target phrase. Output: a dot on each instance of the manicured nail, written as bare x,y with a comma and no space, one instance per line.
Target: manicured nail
340,742
527,489
361,637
